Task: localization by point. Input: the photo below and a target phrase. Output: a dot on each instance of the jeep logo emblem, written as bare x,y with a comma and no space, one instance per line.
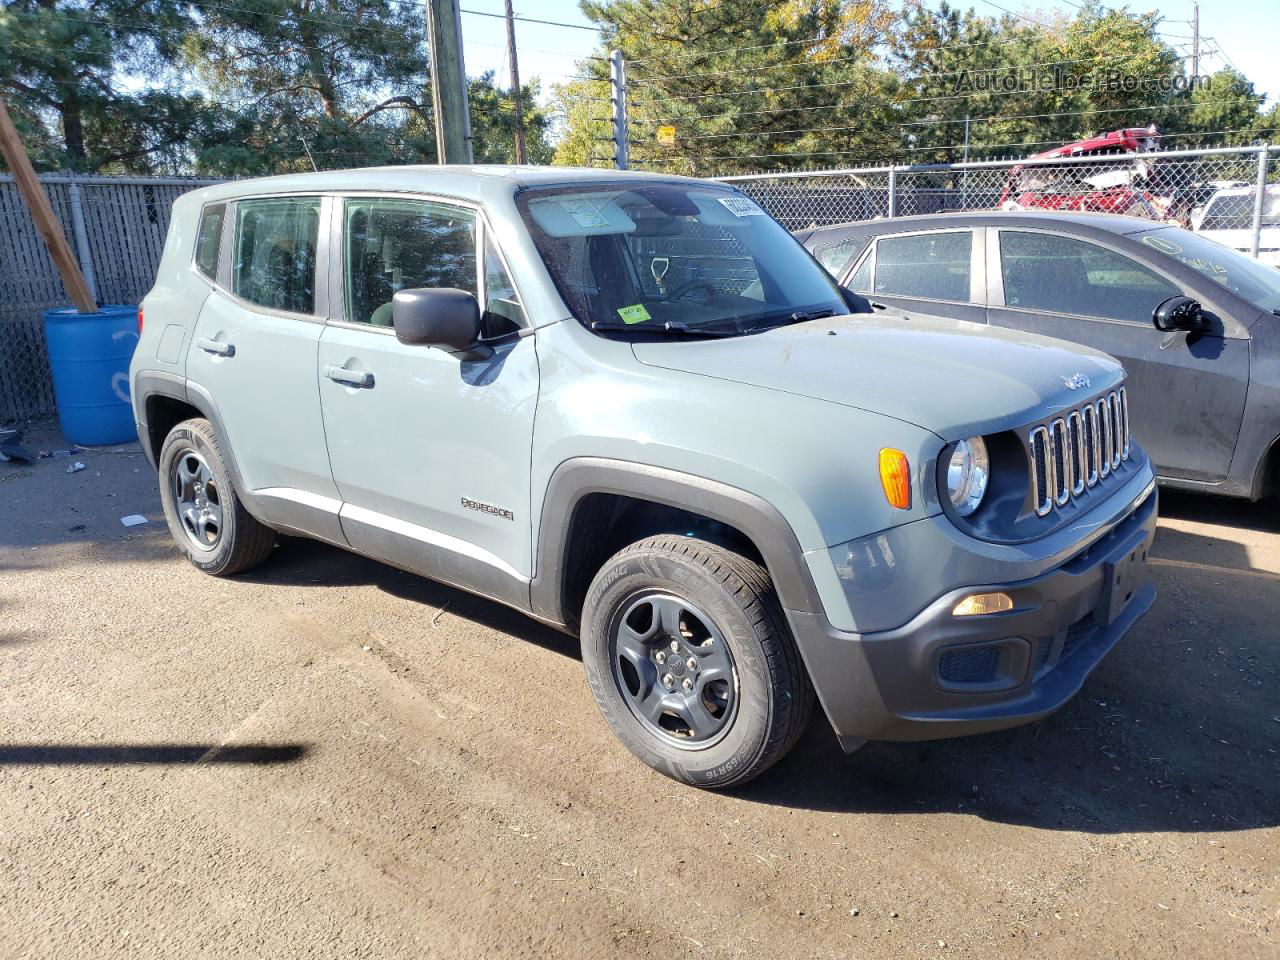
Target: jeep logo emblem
1076,381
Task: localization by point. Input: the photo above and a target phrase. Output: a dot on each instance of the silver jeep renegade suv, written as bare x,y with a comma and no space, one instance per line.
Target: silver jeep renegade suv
633,407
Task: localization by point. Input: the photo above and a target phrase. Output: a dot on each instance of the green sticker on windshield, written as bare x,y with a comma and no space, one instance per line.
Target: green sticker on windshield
636,313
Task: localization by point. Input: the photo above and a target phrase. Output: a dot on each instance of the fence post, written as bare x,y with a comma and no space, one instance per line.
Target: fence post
893,191
83,251
1258,200
618,94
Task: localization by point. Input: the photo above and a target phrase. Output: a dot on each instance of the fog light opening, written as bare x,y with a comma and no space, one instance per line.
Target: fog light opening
978,604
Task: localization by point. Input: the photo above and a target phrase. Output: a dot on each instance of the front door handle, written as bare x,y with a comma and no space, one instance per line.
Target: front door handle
216,347
352,378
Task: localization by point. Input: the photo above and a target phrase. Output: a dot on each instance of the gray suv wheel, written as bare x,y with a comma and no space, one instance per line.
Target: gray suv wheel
205,516
690,660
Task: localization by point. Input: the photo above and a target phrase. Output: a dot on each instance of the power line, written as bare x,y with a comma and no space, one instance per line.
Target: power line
549,23
1082,113
935,99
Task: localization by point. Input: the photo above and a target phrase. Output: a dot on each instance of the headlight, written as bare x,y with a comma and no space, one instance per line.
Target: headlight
967,475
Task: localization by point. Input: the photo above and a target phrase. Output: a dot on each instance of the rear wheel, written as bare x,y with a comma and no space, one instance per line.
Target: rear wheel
691,662
205,516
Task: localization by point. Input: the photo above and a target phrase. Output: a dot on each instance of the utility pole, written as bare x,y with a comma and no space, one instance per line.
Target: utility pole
618,84
966,138
515,84
1195,39
448,82
37,202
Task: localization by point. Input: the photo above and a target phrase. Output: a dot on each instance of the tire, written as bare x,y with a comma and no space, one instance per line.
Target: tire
718,601
195,487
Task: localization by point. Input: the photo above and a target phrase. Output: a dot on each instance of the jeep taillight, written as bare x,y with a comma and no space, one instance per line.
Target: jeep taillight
139,321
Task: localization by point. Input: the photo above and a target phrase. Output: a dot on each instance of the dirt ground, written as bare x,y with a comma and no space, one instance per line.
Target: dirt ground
330,758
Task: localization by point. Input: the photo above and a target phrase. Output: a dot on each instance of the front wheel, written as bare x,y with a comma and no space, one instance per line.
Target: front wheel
690,660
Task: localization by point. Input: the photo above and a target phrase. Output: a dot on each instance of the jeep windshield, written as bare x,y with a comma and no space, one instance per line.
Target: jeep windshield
1244,276
669,259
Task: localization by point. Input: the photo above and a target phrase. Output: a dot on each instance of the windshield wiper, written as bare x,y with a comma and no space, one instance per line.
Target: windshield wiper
801,316
670,328
785,319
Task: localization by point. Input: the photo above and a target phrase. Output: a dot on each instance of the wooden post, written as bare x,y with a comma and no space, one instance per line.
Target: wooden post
37,202
515,84
448,82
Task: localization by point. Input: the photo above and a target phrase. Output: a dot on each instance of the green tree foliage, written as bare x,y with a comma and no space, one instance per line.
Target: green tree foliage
310,80
793,66
91,85
752,85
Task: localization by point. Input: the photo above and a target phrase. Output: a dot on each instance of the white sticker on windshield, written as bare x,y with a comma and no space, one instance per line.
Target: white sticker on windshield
585,214
741,206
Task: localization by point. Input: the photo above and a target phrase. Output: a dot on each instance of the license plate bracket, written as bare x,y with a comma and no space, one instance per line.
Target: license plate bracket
1126,572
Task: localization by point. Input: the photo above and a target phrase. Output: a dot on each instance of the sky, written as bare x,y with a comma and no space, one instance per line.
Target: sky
1238,32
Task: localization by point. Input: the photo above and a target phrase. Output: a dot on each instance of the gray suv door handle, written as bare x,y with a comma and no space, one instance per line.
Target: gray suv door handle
352,378
216,347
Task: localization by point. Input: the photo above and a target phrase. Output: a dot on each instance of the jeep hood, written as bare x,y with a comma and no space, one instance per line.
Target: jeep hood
954,378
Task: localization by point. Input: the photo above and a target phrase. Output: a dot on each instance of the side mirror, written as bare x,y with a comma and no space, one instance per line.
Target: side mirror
856,302
439,317
1178,313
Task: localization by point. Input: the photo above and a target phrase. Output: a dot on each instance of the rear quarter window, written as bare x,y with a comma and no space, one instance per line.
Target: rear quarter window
209,239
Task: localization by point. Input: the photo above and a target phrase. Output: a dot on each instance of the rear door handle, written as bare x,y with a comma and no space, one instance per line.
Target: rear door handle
878,306
352,378
216,347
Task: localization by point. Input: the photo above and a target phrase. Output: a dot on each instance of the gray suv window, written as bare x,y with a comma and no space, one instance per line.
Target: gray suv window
275,252
837,256
209,239
930,265
1044,271
392,244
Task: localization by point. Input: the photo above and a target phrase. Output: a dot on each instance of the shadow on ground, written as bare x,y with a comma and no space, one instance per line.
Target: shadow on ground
98,754
299,562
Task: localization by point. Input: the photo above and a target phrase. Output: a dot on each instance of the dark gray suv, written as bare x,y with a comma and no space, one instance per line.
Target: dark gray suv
1205,384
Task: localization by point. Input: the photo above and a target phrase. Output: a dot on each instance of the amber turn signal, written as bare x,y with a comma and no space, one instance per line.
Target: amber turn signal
978,604
895,477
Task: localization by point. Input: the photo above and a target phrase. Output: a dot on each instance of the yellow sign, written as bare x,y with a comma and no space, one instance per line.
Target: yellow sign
667,136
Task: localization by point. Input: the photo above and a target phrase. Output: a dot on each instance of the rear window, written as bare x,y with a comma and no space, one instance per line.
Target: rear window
931,265
209,239
1236,212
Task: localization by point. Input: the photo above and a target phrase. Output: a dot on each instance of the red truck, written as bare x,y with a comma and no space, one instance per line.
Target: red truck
1127,185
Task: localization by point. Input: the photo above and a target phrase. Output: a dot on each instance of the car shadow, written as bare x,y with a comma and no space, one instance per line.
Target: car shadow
1175,731
1261,515
301,562
106,754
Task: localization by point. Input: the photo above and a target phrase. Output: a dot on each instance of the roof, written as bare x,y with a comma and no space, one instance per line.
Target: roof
1110,222
1127,140
463,181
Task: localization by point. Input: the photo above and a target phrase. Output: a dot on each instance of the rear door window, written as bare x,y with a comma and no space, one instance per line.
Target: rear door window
934,266
1044,271
275,253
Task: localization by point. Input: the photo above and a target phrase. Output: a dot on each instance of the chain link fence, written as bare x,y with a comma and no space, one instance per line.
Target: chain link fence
1215,190
115,225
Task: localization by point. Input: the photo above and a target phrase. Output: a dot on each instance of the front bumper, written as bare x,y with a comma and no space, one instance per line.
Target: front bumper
944,676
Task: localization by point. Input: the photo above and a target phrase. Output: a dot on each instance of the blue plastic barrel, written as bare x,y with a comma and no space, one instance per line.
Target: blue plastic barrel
89,354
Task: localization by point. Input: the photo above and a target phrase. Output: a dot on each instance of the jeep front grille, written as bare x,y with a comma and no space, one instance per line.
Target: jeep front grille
1075,452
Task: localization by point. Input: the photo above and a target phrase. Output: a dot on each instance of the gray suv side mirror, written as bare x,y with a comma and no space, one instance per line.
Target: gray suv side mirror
1178,313
439,317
